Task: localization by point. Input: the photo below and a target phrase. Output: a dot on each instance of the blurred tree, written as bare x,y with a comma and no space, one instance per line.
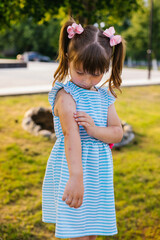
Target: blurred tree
30,36
137,33
156,29
13,11
40,23
85,11
108,11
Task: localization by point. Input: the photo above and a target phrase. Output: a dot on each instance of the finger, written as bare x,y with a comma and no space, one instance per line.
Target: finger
85,124
87,118
81,113
74,202
64,197
83,119
79,203
69,200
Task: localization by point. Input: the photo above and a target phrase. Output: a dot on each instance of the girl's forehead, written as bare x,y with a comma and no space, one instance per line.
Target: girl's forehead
77,66
88,69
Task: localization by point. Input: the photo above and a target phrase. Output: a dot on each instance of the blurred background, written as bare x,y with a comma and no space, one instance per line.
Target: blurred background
29,25
29,35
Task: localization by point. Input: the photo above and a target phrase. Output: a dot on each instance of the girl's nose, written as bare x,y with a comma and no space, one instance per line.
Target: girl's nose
88,79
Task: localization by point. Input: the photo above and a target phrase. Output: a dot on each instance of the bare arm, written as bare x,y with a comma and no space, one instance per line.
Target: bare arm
66,106
113,133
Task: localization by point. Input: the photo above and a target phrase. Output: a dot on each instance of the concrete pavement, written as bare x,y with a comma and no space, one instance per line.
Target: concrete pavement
38,78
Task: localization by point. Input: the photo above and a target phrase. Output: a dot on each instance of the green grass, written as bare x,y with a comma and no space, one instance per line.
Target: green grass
136,169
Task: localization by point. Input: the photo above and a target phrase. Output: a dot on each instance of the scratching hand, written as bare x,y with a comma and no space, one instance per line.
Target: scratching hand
86,121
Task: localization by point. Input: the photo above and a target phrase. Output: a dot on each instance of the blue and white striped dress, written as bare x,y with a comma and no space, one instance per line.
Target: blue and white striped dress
96,215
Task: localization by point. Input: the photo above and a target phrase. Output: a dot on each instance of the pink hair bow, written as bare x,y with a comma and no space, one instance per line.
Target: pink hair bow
114,39
75,28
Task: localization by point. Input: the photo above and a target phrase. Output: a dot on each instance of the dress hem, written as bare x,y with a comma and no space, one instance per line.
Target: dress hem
81,235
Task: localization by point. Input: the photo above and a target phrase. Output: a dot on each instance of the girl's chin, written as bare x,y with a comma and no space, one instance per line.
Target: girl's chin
88,88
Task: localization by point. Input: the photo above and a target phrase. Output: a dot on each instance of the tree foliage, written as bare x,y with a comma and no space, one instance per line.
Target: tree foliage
137,34
89,12
85,11
35,24
14,11
30,36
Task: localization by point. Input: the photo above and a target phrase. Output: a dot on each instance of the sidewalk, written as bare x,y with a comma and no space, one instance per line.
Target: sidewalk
38,78
46,88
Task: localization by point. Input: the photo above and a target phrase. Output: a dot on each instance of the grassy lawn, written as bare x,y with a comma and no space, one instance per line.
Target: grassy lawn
136,169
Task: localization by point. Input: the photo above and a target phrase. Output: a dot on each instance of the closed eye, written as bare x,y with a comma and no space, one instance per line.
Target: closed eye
96,75
80,73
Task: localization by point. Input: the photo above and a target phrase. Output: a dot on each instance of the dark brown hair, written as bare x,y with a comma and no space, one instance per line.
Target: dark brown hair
92,49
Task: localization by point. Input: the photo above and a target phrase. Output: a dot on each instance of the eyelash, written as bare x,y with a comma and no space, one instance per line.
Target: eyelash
80,73
83,73
95,75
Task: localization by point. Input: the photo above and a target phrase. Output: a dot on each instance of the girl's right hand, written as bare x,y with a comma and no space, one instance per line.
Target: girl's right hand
74,192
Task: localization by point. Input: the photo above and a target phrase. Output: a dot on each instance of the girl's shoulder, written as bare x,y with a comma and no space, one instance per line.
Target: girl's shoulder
55,89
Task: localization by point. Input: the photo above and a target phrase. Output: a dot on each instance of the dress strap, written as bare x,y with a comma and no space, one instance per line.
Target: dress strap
110,98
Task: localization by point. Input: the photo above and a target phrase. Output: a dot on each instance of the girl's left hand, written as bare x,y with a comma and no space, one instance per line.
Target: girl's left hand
86,121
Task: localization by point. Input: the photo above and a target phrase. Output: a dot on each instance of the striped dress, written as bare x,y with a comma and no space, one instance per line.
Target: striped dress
96,215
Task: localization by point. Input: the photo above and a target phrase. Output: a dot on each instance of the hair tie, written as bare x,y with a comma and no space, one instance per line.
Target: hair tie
114,39
111,145
75,28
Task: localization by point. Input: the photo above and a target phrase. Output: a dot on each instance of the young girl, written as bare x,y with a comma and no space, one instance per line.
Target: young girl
78,190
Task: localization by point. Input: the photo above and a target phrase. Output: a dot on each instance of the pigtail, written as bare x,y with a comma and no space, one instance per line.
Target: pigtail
118,57
62,70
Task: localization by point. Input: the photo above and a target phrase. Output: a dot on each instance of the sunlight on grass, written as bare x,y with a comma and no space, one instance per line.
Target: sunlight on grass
136,169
